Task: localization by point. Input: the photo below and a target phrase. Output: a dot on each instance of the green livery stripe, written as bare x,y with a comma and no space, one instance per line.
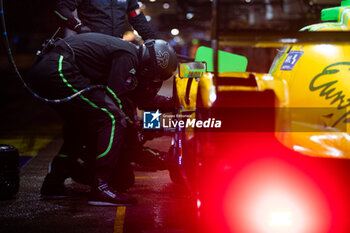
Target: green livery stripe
92,104
61,16
342,18
329,26
280,60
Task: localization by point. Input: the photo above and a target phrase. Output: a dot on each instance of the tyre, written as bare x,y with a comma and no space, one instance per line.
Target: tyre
174,170
9,171
175,176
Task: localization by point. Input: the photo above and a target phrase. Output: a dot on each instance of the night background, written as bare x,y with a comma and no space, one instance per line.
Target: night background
30,23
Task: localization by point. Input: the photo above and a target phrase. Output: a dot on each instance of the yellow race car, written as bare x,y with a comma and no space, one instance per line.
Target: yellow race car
267,152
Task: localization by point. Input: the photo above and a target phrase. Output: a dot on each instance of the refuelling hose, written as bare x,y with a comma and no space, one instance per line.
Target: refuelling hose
18,74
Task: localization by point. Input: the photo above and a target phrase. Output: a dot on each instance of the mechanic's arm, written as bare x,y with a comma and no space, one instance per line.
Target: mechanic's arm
120,82
64,9
146,97
122,78
138,20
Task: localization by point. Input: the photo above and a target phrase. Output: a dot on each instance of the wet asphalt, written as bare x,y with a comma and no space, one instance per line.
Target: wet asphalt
161,204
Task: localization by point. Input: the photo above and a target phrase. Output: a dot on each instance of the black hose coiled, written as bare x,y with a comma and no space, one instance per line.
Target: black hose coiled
18,74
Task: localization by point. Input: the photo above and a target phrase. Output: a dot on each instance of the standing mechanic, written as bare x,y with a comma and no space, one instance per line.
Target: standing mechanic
131,74
107,17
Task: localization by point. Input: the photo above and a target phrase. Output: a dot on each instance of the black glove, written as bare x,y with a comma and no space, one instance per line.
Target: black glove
79,28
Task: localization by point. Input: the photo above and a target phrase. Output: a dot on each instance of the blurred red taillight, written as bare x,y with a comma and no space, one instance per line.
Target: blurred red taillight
270,196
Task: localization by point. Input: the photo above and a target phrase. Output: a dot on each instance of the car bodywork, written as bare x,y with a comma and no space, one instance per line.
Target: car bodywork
290,138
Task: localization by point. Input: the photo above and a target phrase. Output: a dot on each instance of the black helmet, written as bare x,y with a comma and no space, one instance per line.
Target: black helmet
158,61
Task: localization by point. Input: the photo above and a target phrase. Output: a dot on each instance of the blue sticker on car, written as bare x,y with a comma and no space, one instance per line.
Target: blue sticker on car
291,60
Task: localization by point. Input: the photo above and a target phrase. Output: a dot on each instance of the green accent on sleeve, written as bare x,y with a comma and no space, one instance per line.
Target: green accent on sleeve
61,16
151,151
129,120
115,97
120,104
62,156
93,105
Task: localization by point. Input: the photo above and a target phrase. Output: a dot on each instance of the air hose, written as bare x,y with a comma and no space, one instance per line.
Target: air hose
18,74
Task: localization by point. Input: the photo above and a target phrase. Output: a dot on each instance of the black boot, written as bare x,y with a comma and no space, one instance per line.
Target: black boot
104,195
53,185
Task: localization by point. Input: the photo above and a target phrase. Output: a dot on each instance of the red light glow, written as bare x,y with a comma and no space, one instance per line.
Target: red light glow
199,204
280,218
278,211
270,196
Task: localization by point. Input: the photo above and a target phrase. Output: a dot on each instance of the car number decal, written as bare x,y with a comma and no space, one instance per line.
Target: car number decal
291,60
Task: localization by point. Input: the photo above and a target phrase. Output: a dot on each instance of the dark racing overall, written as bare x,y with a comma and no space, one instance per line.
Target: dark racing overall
97,119
107,17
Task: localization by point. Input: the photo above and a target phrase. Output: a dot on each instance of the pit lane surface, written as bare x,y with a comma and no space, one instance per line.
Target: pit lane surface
161,204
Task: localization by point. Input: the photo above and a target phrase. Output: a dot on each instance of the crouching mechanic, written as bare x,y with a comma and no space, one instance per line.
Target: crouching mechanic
127,71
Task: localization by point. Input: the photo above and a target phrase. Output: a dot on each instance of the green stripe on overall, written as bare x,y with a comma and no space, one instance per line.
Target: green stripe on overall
93,105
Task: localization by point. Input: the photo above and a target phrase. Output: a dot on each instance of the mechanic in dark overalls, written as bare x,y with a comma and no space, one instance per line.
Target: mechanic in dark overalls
109,17
104,16
128,71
